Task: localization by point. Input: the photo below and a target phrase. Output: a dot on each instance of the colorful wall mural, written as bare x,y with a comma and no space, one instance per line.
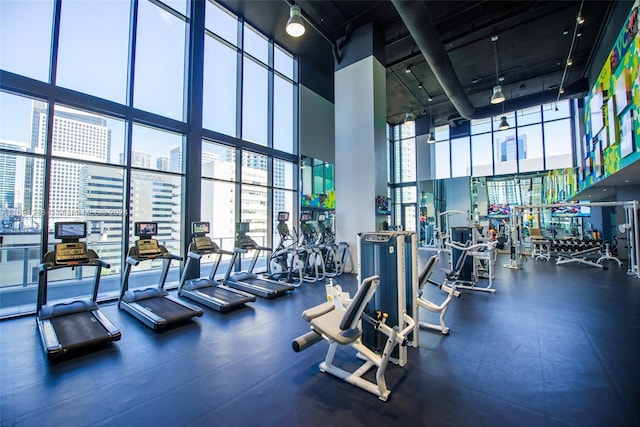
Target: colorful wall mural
611,114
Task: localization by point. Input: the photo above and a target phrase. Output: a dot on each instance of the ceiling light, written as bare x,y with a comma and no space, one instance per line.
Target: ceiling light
504,125
475,80
407,70
626,180
497,96
295,25
561,89
419,85
580,20
432,134
565,32
569,62
409,118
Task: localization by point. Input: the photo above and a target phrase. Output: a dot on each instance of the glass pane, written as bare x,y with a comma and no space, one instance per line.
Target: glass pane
155,197
95,195
504,146
283,62
254,102
256,45
528,116
21,226
460,157
160,56
283,115
254,211
221,22
557,144
480,126
97,71
530,143
409,194
407,160
481,150
218,161
218,202
443,158
156,149
16,113
554,111
177,5
82,135
328,177
318,179
283,174
29,22
254,168
442,133
219,87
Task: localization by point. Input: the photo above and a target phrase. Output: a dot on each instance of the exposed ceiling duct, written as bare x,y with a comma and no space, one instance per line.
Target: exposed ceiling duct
416,18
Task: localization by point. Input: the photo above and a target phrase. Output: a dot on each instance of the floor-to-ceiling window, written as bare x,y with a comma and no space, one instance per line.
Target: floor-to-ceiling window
105,108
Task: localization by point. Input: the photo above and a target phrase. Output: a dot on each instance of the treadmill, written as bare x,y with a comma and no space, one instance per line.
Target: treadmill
207,290
153,305
71,325
248,281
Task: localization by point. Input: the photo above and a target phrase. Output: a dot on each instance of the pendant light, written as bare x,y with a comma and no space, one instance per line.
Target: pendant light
295,25
432,134
497,96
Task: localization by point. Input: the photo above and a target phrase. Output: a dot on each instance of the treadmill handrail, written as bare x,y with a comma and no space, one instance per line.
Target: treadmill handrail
194,255
239,251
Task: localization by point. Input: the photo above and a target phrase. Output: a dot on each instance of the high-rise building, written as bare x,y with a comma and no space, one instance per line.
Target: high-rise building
11,176
77,135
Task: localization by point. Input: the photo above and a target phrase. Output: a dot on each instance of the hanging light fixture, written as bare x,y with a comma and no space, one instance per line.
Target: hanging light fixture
504,125
432,134
409,118
295,25
497,96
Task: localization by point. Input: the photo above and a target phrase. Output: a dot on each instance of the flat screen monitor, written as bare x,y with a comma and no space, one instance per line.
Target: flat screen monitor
306,216
146,229
199,228
283,216
70,230
498,211
382,205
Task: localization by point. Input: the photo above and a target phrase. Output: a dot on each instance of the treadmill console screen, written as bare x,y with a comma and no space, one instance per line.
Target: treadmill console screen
242,227
283,216
306,216
71,252
199,228
147,247
70,230
146,229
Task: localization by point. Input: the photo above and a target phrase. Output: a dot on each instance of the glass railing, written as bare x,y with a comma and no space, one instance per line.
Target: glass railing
20,265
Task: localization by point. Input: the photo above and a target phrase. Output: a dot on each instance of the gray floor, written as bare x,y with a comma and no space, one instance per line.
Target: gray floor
555,345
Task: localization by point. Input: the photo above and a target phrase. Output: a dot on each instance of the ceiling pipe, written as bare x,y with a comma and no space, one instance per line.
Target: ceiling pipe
416,18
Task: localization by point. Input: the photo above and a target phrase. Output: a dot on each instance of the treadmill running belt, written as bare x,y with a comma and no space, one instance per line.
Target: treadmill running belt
167,309
225,295
79,328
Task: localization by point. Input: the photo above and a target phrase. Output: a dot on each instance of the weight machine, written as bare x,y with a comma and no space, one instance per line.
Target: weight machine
630,227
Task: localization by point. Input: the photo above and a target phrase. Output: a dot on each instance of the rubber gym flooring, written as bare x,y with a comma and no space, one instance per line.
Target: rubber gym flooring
554,346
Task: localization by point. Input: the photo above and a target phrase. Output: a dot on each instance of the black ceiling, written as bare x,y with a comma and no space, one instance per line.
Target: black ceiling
533,46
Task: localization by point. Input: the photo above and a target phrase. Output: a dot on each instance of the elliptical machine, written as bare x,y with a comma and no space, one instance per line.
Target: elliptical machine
284,263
